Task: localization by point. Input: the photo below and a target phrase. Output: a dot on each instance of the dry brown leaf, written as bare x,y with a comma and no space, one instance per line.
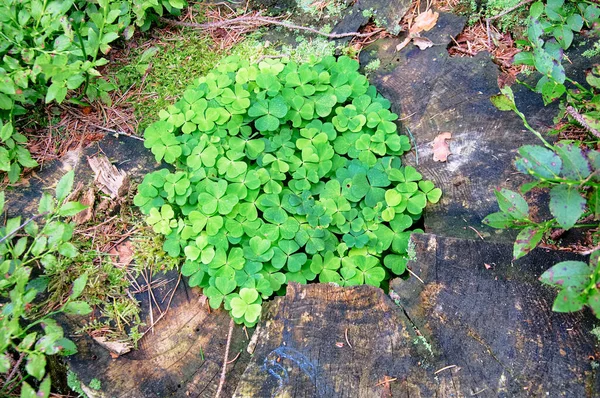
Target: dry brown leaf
441,150
403,44
88,199
424,22
422,42
112,181
116,348
124,251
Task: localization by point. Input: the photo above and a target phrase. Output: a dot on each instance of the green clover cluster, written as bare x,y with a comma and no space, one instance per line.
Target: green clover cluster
282,172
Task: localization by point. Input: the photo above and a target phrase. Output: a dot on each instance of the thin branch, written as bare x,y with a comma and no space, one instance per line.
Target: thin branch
12,373
116,132
224,369
22,226
487,20
257,20
503,13
415,275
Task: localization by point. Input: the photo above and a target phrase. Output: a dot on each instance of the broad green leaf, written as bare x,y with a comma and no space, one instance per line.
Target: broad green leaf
539,161
574,164
572,274
77,308
78,286
64,185
512,203
566,205
527,240
569,300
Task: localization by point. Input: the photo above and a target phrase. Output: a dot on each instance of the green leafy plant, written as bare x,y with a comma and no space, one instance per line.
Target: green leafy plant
27,331
13,155
551,30
571,176
282,172
54,46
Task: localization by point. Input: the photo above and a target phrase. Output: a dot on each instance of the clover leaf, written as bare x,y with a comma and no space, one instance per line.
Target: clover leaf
284,173
246,306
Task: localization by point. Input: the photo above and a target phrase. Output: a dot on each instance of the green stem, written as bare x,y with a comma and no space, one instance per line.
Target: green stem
579,86
87,75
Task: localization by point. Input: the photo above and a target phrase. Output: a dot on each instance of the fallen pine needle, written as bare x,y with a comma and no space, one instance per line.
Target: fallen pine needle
346,335
234,359
444,368
386,381
477,232
415,275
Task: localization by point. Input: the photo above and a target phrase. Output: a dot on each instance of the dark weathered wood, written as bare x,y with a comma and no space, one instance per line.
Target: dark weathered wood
468,331
127,154
435,93
302,349
182,358
496,325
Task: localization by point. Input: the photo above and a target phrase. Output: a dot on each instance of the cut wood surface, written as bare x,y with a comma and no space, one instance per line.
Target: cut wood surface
326,341
434,93
492,320
467,331
181,357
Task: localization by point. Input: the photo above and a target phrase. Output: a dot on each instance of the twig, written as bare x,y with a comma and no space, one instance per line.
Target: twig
14,370
462,50
11,233
415,275
487,20
589,251
236,357
579,118
115,131
263,21
477,232
223,371
166,309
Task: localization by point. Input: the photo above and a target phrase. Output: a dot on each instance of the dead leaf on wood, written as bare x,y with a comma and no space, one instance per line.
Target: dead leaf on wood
124,252
404,43
441,150
116,348
425,21
422,42
112,181
88,199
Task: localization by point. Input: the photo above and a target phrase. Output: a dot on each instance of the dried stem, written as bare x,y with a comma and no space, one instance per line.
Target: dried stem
14,370
257,20
224,369
487,20
579,118
14,231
